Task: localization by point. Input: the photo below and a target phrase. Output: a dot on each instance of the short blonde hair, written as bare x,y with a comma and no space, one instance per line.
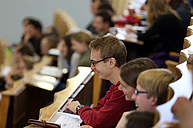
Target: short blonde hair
131,70
82,37
156,83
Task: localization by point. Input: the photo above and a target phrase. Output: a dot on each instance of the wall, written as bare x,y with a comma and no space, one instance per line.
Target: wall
12,13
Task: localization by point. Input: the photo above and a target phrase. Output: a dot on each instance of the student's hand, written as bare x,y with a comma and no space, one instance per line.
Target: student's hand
26,37
130,30
183,110
86,126
72,106
9,82
8,86
181,105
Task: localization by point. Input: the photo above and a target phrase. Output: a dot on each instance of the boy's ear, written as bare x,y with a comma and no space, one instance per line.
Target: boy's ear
112,62
154,101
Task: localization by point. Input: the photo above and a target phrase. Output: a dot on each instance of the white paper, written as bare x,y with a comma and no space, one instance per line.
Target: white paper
50,80
53,51
51,71
69,121
6,70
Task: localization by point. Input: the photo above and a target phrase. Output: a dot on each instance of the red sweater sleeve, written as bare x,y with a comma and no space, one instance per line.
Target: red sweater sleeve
108,110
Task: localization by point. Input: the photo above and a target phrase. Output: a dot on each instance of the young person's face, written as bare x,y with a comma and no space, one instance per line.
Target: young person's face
44,46
102,68
64,49
127,90
31,30
94,6
98,24
141,100
78,47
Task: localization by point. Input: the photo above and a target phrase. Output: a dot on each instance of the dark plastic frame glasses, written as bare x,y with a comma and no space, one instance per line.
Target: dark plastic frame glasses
94,63
137,92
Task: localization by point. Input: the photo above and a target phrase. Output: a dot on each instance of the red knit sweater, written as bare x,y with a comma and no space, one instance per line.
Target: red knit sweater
108,110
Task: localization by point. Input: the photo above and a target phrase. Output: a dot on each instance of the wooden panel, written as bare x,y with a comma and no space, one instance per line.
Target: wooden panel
189,30
187,42
64,22
61,97
96,89
13,109
181,87
4,105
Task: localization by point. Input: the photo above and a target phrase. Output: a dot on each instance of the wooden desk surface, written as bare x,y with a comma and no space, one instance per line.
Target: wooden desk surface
19,84
122,35
16,97
61,97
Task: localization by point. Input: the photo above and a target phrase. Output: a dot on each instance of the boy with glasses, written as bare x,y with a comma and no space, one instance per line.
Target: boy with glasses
108,54
152,89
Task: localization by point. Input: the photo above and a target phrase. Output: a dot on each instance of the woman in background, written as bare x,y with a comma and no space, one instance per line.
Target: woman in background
68,58
165,34
183,9
47,42
80,44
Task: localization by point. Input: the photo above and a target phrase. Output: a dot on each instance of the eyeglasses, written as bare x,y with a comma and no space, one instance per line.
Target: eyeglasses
137,92
94,63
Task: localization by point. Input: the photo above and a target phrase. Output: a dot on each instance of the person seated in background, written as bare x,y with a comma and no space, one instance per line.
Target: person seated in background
33,35
17,71
25,50
80,44
25,59
25,21
151,90
52,31
68,58
183,8
106,7
94,10
166,33
108,54
47,42
102,23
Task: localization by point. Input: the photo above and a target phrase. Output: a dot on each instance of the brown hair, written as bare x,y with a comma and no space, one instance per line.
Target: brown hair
130,71
110,46
139,119
52,41
157,8
67,40
156,83
81,37
25,49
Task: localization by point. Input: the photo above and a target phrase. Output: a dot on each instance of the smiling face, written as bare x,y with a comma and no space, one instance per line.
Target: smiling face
142,102
127,90
102,68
